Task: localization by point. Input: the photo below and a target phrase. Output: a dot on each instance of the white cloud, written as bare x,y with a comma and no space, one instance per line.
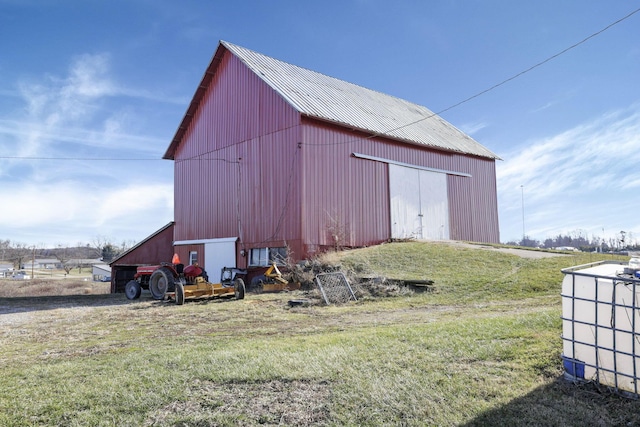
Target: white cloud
133,201
89,77
70,205
75,116
473,127
574,179
75,109
113,134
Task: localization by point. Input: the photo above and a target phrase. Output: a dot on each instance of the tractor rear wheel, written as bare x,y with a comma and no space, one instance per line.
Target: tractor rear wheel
132,289
179,293
257,283
238,287
161,282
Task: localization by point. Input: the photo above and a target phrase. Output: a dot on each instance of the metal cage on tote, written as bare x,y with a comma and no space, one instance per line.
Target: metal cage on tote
601,325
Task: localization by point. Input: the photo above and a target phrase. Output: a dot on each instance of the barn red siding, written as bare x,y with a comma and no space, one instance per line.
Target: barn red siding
349,197
249,166
473,202
155,249
183,252
236,168
343,197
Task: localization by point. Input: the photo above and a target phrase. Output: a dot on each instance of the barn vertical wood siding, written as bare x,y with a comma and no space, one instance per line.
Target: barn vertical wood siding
348,197
235,168
155,249
251,166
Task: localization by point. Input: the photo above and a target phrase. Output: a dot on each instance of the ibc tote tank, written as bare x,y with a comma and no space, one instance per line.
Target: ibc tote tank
601,325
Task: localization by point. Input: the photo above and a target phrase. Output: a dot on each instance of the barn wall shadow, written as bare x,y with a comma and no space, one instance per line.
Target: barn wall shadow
564,403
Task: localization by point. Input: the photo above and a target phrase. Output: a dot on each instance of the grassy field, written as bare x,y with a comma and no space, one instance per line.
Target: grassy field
482,349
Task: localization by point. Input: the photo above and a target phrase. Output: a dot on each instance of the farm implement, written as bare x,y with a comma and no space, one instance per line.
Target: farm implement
178,283
272,280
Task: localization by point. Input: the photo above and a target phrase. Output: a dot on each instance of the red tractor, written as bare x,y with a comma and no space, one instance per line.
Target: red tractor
177,282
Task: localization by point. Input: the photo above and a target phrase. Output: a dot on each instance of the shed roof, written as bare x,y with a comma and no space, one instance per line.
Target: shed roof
330,99
101,267
140,244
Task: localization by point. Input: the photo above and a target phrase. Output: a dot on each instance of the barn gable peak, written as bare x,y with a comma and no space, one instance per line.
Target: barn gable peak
326,98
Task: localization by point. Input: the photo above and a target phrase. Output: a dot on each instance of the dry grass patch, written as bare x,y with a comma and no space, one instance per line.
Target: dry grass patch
274,402
484,349
52,287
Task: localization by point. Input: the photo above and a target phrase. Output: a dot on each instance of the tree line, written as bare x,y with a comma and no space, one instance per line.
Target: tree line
68,257
622,241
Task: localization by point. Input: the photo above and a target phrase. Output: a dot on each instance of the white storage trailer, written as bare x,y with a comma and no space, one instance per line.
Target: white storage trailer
601,325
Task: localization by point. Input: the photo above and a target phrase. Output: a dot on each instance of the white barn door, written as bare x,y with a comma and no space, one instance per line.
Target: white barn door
219,253
419,203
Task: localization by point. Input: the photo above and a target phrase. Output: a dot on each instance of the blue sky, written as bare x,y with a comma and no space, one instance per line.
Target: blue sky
112,79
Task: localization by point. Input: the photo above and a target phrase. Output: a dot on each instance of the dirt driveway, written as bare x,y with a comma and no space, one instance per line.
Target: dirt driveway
523,253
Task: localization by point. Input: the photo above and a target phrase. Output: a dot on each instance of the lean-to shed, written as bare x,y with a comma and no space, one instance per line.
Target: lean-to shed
154,250
270,155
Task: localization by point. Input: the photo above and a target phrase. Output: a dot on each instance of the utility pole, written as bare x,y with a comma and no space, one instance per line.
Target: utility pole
523,233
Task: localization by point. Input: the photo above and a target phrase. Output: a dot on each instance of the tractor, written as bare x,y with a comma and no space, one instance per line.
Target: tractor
177,282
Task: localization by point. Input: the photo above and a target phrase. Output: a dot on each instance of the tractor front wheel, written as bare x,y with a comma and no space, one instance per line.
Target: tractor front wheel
179,293
238,287
160,282
132,289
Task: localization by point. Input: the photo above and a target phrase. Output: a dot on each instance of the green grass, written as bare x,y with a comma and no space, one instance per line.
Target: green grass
464,274
483,349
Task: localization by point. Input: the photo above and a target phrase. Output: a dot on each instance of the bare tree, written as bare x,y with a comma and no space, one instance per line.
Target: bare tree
99,242
109,250
338,231
18,254
65,256
5,246
126,245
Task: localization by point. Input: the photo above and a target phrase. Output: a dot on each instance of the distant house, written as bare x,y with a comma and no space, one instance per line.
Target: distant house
273,159
101,272
6,269
42,263
55,264
567,248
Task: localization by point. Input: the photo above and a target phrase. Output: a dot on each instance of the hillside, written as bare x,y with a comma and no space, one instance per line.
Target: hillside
482,348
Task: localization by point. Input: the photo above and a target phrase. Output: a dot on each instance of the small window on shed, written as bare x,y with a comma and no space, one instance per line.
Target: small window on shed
193,257
263,257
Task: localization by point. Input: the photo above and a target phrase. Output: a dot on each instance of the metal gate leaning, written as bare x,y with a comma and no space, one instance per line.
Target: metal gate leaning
335,288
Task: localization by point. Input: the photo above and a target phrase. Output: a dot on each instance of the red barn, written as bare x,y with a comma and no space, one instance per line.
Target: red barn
271,156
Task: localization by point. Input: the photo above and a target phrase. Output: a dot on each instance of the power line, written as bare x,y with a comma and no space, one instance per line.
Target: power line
79,158
495,86
533,67
464,101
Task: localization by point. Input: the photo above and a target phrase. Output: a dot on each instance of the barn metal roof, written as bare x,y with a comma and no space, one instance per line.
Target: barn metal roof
330,99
